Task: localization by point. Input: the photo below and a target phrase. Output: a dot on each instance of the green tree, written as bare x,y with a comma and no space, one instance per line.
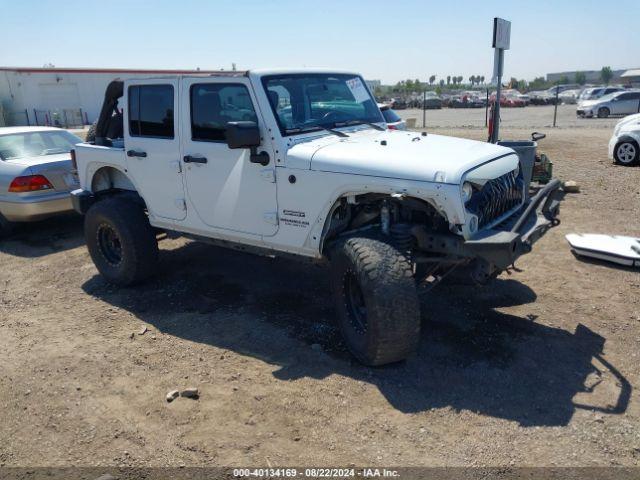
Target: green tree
432,79
581,78
441,83
482,79
606,75
448,79
460,78
408,85
538,83
563,79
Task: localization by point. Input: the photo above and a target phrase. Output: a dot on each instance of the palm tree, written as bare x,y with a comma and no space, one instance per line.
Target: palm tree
482,79
472,80
432,79
460,79
448,79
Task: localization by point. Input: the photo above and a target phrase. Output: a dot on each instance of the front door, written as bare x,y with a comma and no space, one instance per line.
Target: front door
152,145
226,190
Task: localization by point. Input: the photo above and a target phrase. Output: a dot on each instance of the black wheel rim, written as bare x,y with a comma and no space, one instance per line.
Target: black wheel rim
356,308
109,244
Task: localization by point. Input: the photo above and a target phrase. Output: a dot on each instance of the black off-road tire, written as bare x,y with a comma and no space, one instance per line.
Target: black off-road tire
6,227
603,112
627,153
121,241
91,133
388,293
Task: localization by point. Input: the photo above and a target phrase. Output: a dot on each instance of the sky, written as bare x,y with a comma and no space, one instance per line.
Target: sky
387,40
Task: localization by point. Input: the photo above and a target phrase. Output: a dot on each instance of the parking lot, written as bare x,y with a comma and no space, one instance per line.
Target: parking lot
528,117
538,368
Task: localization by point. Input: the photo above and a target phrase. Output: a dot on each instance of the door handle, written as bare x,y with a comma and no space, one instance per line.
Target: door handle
136,153
194,159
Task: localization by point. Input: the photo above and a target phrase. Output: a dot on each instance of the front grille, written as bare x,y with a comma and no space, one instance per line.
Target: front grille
496,198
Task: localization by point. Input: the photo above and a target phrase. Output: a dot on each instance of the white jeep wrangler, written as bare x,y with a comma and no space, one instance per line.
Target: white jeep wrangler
300,163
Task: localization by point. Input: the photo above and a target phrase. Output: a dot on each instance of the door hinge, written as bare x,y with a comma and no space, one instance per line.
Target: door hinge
268,174
181,204
271,217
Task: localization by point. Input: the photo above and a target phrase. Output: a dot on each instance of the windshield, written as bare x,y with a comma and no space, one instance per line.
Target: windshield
390,116
310,102
36,144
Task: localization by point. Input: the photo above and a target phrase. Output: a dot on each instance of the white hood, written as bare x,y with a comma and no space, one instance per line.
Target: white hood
406,155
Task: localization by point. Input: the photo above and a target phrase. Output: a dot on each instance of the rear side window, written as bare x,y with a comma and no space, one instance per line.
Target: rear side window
151,111
390,116
213,105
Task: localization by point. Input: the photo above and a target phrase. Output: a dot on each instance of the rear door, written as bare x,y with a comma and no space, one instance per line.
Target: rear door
152,144
226,190
628,103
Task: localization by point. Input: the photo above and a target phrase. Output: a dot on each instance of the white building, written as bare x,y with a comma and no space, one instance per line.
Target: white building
61,96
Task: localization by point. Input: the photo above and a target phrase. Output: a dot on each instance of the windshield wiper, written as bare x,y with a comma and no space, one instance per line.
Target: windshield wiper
311,128
359,122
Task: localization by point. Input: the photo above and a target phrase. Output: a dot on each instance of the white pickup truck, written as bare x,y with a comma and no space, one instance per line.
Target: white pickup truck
300,163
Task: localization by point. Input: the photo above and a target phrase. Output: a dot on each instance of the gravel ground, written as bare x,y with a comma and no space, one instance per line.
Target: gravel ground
539,368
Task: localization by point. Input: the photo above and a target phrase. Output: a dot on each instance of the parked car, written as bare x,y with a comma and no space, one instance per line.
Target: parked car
624,102
508,100
512,92
432,101
394,121
569,97
594,93
334,187
398,104
466,100
540,97
624,146
36,174
561,88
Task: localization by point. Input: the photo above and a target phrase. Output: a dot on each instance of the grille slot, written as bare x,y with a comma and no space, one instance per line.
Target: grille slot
497,197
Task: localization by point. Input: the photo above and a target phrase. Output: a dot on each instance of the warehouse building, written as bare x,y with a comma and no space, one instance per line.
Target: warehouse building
591,76
65,97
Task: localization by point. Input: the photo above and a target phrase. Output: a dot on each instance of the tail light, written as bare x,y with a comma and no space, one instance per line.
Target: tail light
392,127
30,183
74,163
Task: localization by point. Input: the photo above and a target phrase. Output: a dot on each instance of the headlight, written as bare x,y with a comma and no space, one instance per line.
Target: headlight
467,191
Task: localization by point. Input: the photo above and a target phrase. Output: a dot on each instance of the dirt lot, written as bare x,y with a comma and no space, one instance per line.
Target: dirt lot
540,368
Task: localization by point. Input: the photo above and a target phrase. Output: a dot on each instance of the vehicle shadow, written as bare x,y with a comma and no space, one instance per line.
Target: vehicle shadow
471,356
37,239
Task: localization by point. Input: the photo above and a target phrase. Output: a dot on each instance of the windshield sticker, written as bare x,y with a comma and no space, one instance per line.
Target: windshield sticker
358,90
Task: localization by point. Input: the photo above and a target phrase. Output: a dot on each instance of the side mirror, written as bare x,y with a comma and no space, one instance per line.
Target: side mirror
242,134
246,135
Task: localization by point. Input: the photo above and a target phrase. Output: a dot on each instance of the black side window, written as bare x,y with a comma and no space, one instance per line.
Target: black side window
215,104
151,111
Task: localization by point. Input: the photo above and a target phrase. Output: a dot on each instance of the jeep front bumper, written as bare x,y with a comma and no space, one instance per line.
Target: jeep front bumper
499,247
82,200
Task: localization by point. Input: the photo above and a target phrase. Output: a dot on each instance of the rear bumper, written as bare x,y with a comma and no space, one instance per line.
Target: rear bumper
37,207
501,246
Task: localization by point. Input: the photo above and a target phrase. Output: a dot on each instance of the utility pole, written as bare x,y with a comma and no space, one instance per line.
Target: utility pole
555,106
424,108
501,42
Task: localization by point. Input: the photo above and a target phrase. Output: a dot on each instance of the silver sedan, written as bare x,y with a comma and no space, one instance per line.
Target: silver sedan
36,174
